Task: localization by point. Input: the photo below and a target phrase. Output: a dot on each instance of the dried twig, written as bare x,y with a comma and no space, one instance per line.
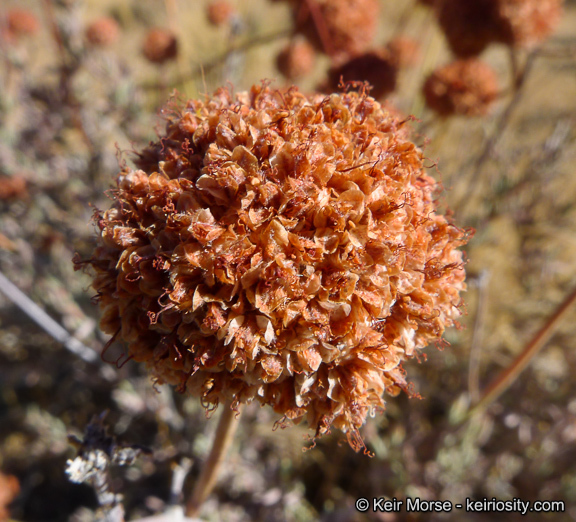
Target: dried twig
44,321
503,381
477,335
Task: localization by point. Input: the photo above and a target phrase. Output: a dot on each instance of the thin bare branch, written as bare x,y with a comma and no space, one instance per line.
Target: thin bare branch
44,321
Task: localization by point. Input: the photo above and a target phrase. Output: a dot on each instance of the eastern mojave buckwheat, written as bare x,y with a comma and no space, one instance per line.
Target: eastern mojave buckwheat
283,248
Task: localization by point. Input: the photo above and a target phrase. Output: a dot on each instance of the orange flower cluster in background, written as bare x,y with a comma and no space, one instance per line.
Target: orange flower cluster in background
280,248
17,23
466,87
470,26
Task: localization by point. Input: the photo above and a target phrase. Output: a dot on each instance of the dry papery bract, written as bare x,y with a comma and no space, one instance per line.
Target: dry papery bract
280,248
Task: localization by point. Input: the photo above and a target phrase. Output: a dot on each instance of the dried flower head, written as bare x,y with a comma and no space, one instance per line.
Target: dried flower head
160,46
375,67
469,25
344,28
297,59
19,23
403,51
219,12
465,87
102,32
279,248
525,23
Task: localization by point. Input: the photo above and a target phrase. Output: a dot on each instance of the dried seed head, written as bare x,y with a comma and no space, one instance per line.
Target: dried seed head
219,12
279,248
465,87
102,32
469,25
19,23
376,68
403,51
296,60
341,28
525,23
160,46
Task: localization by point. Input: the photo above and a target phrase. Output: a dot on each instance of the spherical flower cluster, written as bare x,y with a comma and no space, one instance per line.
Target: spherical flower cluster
465,87
219,12
160,46
19,23
279,248
102,32
344,28
403,51
297,59
375,67
468,25
525,23
471,25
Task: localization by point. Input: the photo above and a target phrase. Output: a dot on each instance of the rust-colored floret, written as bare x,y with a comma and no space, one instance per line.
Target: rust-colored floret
102,32
280,248
297,59
160,46
465,87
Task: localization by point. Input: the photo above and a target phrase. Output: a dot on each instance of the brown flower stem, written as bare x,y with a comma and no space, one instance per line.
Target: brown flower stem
520,78
503,381
227,425
320,26
477,337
